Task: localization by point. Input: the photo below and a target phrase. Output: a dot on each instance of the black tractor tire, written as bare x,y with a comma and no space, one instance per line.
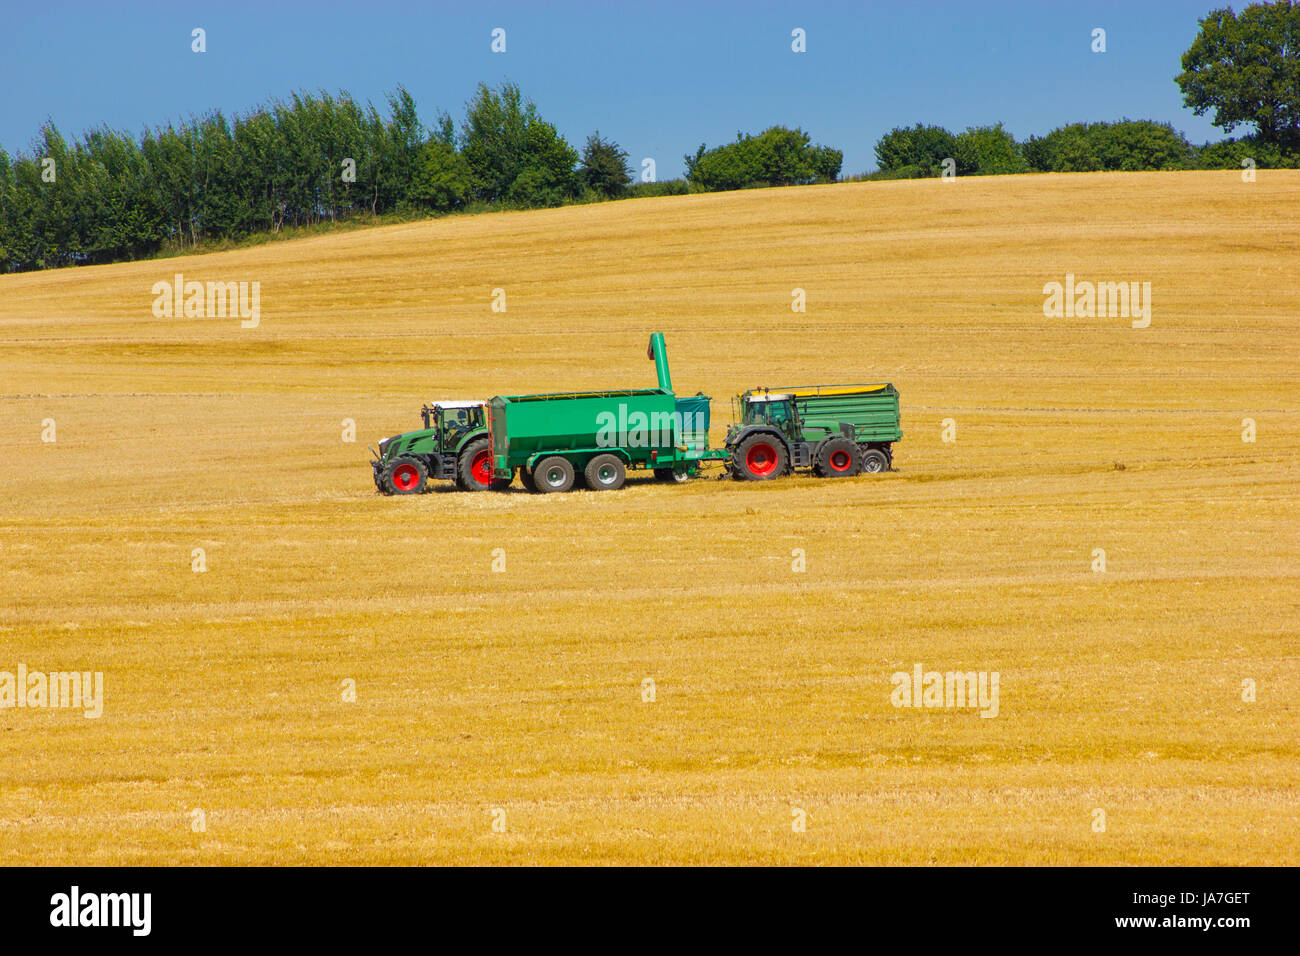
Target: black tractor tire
605,473
759,458
526,479
468,476
553,474
404,475
672,475
875,461
839,458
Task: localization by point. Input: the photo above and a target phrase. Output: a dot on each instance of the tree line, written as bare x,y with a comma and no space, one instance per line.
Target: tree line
1242,68
318,158
924,150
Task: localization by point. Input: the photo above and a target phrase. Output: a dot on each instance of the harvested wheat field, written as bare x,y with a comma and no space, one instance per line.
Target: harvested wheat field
1147,714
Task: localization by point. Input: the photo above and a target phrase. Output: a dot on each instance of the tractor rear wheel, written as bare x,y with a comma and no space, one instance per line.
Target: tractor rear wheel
874,461
553,474
474,470
671,474
404,476
605,473
759,458
839,458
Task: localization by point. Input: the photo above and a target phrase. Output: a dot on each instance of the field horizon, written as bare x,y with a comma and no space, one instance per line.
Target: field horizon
348,680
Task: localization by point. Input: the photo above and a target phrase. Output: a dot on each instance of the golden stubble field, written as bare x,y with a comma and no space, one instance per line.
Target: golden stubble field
517,697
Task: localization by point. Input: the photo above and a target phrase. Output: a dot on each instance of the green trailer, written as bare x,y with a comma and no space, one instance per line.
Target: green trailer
831,430
551,439
452,446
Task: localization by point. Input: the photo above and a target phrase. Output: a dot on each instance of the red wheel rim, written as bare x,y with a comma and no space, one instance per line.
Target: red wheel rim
840,460
481,467
761,459
405,477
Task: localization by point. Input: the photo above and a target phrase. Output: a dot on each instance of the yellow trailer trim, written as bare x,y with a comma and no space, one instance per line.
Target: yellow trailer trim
815,390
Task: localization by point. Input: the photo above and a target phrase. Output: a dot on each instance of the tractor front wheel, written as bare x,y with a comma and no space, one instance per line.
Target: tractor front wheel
759,458
404,476
474,470
553,474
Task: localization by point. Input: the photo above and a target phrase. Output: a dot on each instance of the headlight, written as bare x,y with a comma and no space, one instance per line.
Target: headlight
383,447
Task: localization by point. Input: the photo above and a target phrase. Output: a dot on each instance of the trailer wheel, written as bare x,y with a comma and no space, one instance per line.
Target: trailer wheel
474,470
404,476
874,461
526,479
553,474
839,458
605,473
759,458
672,475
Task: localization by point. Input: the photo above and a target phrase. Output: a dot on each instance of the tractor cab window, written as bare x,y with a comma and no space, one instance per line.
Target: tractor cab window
768,412
771,413
453,423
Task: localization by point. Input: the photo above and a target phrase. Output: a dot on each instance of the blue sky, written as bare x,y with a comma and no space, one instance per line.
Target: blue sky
659,78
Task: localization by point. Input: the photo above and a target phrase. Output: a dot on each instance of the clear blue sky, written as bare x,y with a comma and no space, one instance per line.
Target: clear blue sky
660,78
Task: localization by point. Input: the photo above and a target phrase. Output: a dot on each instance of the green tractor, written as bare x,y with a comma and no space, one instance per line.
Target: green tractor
831,430
452,446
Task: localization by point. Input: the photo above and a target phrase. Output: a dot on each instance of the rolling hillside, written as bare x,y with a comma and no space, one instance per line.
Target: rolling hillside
520,698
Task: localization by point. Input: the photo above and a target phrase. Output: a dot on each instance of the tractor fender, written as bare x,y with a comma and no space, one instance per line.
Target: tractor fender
738,437
846,431
469,439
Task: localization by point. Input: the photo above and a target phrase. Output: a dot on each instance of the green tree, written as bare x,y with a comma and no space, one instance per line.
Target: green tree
547,176
442,179
604,169
8,210
989,151
922,146
1246,68
399,146
513,154
733,166
825,162
1140,144
1126,145
778,156
1232,153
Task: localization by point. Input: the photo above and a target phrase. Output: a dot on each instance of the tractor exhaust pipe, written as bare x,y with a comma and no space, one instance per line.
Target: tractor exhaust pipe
658,352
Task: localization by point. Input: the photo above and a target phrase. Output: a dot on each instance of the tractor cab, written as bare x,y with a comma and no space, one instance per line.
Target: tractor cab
450,422
769,408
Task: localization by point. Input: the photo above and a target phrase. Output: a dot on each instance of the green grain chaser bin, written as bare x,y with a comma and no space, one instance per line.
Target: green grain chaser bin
552,438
